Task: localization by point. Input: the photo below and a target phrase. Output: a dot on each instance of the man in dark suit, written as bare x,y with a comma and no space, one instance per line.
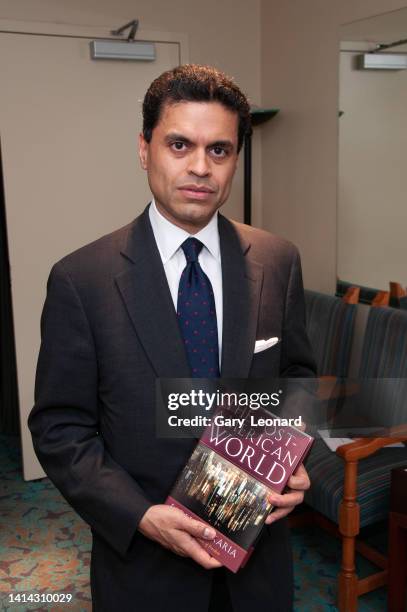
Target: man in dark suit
115,319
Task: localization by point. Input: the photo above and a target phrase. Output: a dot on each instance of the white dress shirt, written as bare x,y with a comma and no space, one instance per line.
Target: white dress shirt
169,238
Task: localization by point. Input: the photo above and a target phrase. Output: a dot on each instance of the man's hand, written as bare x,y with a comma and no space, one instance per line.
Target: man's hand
171,528
297,484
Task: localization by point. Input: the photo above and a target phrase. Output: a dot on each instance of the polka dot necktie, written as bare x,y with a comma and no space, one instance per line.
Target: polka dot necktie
197,315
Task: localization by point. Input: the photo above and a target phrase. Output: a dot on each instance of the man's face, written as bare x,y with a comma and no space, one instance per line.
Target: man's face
191,160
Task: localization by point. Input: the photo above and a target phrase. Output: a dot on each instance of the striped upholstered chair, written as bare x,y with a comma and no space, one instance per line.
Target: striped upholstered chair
330,323
350,488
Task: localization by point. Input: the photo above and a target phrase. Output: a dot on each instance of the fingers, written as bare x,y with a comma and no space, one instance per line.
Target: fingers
284,504
185,543
287,500
300,480
297,483
191,529
196,528
278,514
177,532
193,549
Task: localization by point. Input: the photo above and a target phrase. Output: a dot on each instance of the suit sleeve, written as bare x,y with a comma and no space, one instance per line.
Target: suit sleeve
297,360
64,421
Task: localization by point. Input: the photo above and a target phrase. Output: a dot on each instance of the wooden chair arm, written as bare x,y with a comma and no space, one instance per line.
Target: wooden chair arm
364,447
396,290
381,298
352,295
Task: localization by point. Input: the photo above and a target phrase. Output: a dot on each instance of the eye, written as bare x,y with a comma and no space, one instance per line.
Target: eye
178,145
219,151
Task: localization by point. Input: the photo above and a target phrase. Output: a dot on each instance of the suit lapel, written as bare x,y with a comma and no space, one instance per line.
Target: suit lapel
242,281
145,292
147,297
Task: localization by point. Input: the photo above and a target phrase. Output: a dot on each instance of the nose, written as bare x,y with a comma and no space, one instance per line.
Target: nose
199,163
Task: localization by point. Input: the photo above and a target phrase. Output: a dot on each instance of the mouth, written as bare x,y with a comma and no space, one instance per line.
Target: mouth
196,192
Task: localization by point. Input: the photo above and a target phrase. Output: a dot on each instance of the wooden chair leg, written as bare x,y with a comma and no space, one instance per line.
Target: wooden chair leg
349,520
348,579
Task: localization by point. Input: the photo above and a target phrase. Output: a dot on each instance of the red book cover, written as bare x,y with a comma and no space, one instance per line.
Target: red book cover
241,457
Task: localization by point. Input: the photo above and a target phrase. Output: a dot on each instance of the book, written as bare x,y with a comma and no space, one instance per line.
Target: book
241,458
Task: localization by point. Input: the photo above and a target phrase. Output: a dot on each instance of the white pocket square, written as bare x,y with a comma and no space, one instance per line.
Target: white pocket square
262,345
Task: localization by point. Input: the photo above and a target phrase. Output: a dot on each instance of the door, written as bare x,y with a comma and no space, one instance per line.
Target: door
69,127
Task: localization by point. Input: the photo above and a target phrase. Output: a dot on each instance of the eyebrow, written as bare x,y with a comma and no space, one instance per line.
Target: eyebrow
178,137
228,144
174,136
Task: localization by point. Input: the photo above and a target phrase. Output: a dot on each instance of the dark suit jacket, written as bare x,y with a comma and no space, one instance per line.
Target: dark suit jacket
108,329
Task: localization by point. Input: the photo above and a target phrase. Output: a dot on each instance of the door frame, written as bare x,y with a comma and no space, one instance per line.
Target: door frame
45,28
32,470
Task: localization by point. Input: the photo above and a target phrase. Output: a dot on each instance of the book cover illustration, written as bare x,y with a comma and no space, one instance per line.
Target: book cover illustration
226,482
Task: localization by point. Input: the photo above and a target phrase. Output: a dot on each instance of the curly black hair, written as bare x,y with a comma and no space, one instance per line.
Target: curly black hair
194,83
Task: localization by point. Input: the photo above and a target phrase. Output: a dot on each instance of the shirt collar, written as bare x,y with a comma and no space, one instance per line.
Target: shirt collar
169,237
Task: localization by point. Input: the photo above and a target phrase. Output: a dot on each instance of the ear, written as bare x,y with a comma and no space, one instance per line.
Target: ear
143,151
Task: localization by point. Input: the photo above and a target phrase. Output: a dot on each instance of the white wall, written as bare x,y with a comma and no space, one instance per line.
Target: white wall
372,180
224,34
299,73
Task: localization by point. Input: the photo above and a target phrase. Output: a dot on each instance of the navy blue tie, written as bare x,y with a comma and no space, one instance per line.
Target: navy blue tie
197,315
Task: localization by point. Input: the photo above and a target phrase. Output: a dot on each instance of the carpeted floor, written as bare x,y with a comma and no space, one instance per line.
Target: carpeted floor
45,548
